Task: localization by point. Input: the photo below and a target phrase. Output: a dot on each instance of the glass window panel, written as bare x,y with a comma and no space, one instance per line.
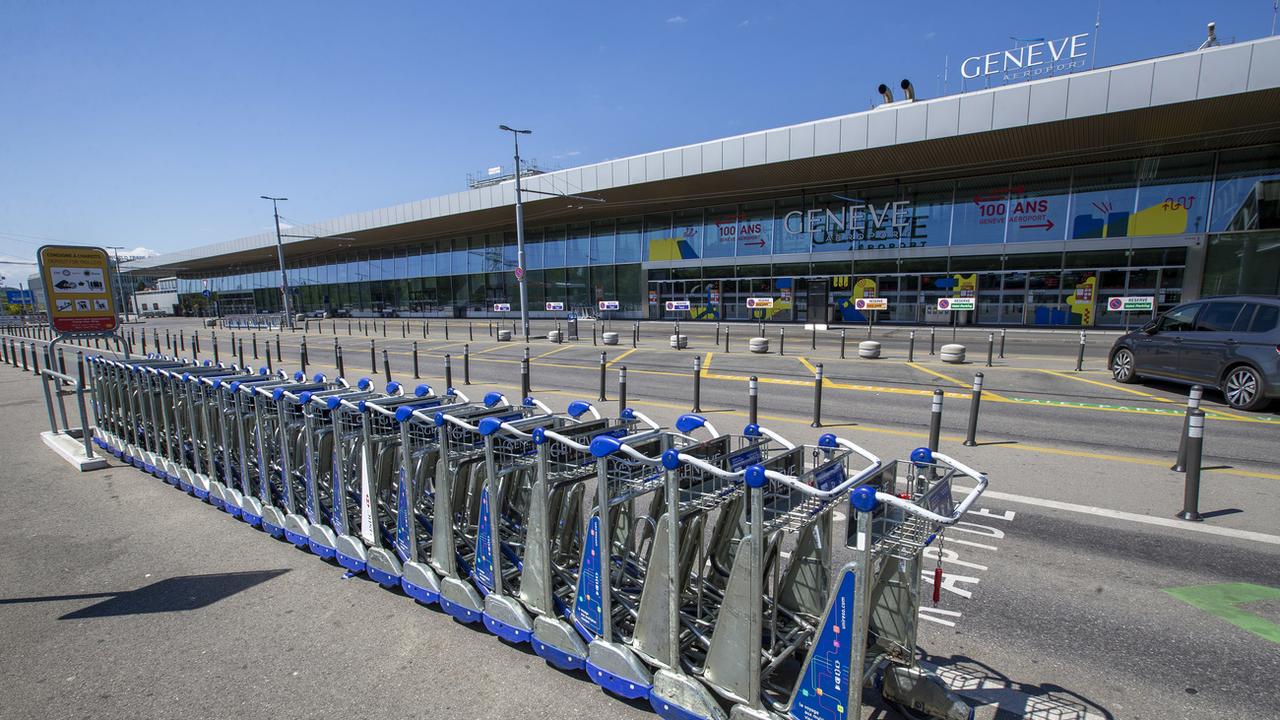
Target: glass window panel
720,232
1173,195
578,250
1245,194
1037,206
981,209
553,248
1103,200
533,250
754,230
659,242
789,233
928,214
602,243
629,246
509,251
476,255
630,290
1242,263
687,231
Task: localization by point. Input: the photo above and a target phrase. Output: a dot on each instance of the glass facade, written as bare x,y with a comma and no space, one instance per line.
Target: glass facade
1037,247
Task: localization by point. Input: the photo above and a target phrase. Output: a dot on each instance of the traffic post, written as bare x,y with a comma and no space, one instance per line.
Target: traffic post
416,375
337,360
525,382
1002,334
602,372
753,400
911,347
448,372
386,363
935,420
817,396
1080,354
931,339
842,344
466,364
697,383
241,352
269,367
373,357
1191,484
279,355
254,338
622,389
991,343
1193,404
782,341
975,402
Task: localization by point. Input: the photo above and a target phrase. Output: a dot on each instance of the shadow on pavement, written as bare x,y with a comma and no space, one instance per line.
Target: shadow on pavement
186,592
981,683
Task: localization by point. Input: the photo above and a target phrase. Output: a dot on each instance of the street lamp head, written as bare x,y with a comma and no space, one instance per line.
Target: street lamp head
511,129
268,197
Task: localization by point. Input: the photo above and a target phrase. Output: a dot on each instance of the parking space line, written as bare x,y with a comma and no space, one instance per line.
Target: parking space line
1109,386
551,352
620,357
499,346
948,378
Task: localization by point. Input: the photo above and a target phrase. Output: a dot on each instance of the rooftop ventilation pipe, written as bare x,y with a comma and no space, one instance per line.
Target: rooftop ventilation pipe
907,91
885,93
1212,39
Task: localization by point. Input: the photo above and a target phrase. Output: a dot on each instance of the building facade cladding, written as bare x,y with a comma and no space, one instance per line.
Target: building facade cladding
1046,247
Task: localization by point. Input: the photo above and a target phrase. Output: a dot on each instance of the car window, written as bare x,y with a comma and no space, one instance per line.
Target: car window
1264,320
1179,319
1218,316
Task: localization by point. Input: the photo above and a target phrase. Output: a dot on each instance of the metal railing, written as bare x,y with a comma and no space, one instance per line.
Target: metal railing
64,385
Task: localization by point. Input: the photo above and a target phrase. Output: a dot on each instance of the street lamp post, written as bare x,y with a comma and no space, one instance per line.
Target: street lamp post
284,277
520,268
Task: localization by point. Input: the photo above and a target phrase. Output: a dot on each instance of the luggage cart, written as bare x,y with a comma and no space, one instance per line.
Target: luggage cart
553,542
211,417
615,553
296,450
460,473
414,490
276,432
239,422
176,397
323,470
382,481
346,516
846,631
146,399
511,460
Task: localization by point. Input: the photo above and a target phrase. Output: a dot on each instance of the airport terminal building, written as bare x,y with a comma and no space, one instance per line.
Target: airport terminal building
1042,199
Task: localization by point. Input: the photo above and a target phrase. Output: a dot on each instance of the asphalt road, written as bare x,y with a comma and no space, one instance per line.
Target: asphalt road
1061,595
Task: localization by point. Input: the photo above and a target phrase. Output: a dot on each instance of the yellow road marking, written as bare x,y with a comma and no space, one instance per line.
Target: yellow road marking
1109,386
706,363
948,378
620,357
551,352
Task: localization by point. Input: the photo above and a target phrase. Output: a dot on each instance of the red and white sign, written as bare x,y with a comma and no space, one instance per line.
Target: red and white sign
519,272
677,306
653,297
759,303
871,304
502,307
608,304
555,306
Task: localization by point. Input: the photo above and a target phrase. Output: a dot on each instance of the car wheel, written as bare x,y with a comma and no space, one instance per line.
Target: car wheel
1243,389
1122,368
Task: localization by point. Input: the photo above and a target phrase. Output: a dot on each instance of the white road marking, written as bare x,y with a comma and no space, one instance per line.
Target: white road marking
1132,517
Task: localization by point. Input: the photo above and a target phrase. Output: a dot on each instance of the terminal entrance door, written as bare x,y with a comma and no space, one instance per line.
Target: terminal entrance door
817,295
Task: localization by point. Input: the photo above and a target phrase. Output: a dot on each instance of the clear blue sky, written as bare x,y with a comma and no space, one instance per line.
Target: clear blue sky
159,124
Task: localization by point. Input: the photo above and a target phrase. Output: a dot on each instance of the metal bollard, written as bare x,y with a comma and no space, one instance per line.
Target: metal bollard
242,352
62,361
404,329
935,420
144,342
255,345
168,340
490,329
269,368
415,360
726,340
335,351
466,364
348,328
213,340
1193,404
373,357
384,332
446,331
717,334
279,354
911,347
448,371
80,367
302,353
697,383
525,384
593,335
842,344
931,338
1080,354
975,401
991,343
635,335
782,341
753,400
1002,334
386,363
602,370
1191,486
25,365
622,389
35,360
471,333
337,360
817,396
813,336
424,329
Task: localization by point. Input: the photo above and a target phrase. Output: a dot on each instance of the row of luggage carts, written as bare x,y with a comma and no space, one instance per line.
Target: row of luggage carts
714,574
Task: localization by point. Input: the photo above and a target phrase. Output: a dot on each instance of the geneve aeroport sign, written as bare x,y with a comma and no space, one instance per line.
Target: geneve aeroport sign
1036,59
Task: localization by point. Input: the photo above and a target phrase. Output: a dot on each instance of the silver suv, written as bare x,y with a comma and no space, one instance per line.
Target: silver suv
1230,343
